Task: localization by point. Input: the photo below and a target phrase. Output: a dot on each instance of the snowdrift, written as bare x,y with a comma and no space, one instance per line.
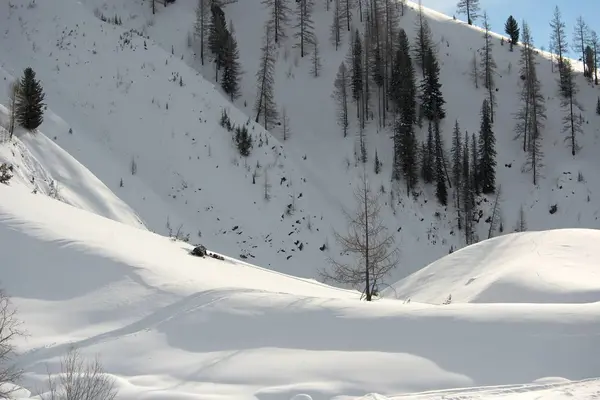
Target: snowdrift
172,326
558,266
42,166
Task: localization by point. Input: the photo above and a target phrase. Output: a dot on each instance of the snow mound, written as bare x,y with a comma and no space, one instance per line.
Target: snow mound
557,266
42,166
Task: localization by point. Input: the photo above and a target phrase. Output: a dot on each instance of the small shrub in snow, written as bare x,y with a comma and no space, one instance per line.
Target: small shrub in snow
553,209
448,300
133,166
79,380
9,331
243,140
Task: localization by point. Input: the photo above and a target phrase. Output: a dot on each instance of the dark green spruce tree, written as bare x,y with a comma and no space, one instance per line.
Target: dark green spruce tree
406,152
441,191
427,156
432,101
217,37
511,27
456,153
29,104
403,93
487,151
403,87
468,194
230,81
598,106
476,185
354,60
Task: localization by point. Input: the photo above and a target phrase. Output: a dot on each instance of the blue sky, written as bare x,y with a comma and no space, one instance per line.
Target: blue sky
537,13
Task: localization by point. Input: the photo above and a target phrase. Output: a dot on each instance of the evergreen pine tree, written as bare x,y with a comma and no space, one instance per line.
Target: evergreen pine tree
341,95
217,38
405,154
403,87
470,8
589,62
243,140
598,106
377,163
354,60
230,81
456,153
29,104
441,191
511,27
475,177
265,99
487,151
428,157
432,101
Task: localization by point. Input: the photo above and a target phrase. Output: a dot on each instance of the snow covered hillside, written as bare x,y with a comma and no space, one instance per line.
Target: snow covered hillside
169,325
555,266
139,117
425,230
41,166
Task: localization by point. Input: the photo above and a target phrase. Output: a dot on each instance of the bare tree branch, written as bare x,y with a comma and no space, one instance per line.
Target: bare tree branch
79,380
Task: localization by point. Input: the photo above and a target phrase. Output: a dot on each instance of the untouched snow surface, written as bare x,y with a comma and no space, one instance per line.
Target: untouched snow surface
556,266
172,326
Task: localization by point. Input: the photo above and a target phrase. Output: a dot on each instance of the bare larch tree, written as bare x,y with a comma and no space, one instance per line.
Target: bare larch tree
368,240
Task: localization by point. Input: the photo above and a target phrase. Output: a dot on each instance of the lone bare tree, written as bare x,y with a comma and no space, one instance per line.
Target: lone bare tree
79,380
10,329
373,248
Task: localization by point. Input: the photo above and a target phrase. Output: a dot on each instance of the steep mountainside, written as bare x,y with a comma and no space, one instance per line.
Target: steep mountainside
425,230
316,162
128,106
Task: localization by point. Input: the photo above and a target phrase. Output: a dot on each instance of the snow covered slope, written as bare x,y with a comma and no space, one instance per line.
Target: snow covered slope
424,229
172,326
556,266
127,101
42,166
